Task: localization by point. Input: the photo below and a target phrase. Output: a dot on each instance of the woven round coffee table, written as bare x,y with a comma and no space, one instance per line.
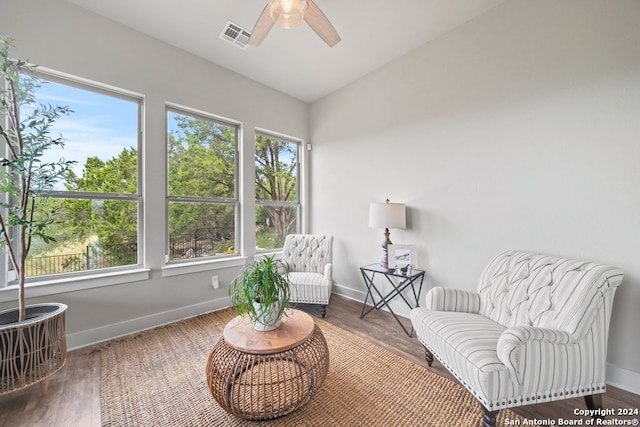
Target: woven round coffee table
263,375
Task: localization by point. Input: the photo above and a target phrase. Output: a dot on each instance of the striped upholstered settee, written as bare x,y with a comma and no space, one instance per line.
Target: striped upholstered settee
535,331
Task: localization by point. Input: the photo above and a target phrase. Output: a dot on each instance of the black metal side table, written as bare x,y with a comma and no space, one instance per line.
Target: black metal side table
401,282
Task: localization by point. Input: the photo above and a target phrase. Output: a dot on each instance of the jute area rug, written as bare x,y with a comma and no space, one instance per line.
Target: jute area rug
158,378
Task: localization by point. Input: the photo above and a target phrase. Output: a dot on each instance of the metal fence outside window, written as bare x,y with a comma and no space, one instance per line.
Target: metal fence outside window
92,258
199,243
202,242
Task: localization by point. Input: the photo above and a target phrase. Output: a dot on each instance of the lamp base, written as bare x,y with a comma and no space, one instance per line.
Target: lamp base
384,262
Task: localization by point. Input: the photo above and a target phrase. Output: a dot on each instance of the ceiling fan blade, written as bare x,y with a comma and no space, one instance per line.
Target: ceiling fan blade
262,27
320,24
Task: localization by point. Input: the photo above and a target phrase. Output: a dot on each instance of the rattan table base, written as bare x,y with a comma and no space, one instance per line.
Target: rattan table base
266,386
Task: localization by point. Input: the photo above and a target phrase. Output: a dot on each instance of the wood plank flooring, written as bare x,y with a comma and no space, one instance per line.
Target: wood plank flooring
74,393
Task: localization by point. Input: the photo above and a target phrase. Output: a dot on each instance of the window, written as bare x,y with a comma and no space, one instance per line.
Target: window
277,190
202,193
94,211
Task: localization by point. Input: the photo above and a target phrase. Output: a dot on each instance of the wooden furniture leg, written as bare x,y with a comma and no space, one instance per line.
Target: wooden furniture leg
428,356
489,417
594,402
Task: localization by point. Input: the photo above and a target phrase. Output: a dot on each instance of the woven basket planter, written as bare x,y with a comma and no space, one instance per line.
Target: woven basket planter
33,350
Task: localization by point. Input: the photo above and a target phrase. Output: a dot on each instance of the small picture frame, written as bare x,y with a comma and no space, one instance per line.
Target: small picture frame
399,256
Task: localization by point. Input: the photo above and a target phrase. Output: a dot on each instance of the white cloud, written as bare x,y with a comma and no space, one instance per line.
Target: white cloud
84,140
53,99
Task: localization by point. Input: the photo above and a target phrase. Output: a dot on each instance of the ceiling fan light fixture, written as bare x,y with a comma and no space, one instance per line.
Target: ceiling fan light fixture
288,13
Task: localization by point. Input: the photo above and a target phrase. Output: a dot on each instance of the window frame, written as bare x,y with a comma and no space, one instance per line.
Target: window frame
133,271
202,261
299,177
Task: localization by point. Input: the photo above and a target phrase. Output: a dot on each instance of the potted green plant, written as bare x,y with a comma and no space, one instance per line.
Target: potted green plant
261,292
32,338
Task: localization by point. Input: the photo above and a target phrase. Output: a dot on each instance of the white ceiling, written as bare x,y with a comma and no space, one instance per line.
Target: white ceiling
296,62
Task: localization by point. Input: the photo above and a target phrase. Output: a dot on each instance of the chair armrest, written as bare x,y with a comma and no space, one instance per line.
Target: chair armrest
448,299
513,341
328,272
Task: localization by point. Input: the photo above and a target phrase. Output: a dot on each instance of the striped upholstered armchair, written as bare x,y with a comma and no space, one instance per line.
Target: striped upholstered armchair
309,257
535,331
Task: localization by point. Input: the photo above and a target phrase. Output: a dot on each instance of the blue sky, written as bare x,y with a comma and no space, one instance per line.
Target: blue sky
100,125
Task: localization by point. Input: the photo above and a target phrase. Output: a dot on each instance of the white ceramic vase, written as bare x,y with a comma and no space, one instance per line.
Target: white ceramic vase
267,320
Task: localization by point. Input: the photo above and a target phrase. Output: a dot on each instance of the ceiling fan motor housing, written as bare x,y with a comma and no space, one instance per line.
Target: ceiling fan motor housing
288,13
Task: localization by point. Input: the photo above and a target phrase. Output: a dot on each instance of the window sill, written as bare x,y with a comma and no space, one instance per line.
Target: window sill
69,284
205,265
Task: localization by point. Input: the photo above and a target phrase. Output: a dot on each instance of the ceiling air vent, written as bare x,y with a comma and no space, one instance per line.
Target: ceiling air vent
236,35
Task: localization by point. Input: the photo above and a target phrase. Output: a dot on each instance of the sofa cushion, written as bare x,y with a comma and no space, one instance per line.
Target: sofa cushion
309,288
466,343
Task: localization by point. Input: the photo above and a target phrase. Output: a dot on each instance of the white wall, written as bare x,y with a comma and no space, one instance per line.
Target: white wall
63,37
517,130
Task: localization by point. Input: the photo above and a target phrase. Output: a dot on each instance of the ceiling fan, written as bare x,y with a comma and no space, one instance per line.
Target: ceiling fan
290,14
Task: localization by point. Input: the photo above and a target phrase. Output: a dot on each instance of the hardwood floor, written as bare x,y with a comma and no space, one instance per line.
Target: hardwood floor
74,393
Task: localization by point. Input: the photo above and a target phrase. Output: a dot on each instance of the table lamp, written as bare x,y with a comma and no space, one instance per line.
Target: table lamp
387,215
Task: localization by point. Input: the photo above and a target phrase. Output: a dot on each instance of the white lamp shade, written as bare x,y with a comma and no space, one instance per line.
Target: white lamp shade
387,215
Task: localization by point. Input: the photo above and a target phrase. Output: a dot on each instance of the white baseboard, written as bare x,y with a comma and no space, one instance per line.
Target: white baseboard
398,306
616,376
352,294
623,378
104,333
